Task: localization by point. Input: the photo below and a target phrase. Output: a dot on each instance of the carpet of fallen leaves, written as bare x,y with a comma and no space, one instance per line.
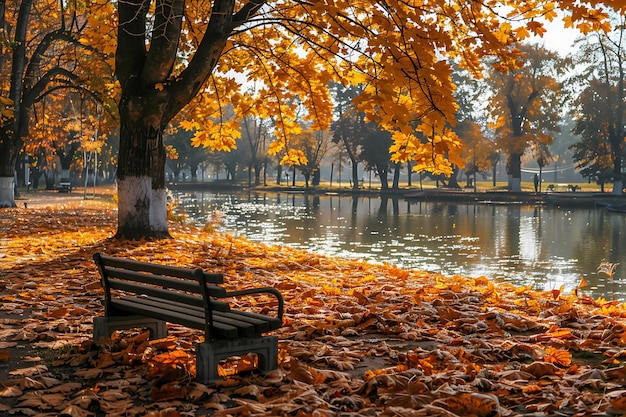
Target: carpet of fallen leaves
358,339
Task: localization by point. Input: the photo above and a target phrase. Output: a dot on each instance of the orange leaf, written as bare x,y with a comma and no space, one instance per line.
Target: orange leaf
474,404
617,399
79,312
168,391
540,369
58,313
557,293
559,357
531,389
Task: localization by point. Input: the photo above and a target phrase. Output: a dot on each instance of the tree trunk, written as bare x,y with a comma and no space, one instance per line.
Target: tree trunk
7,187
409,168
514,171
382,175
142,196
453,180
355,172
257,174
618,184
7,170
316,178
193,167
279,174
396,176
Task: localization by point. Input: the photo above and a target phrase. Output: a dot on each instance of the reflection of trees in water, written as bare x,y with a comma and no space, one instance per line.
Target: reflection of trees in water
538,244
601,238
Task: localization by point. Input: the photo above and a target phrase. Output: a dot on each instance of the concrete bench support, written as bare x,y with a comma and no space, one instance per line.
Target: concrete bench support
208,355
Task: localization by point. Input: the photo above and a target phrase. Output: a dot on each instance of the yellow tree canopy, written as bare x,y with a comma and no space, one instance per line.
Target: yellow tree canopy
400,51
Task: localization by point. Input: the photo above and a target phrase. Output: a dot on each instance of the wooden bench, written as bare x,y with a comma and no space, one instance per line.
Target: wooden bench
148,295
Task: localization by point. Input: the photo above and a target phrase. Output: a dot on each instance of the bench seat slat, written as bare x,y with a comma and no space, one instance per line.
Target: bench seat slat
249,324
262,323
135,306
273,322
157,292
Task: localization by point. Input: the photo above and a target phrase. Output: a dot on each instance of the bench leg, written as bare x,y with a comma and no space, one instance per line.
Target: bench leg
208,355
104,326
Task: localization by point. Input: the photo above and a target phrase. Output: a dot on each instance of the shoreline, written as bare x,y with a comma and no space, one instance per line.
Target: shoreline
558,198
107,192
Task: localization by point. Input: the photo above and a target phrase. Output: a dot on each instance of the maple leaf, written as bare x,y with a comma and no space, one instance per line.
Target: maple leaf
559,357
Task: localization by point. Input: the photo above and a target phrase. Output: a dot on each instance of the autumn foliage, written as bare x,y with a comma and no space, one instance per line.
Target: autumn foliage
358,338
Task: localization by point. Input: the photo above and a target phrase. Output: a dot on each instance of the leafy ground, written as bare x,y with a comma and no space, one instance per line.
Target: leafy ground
358,340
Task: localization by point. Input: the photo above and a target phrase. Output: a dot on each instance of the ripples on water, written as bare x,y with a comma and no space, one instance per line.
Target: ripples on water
526,245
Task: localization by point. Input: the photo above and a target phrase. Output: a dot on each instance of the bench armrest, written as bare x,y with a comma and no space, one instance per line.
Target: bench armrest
254,291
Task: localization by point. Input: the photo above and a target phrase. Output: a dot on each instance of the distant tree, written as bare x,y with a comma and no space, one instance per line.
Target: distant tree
315,146
376,154
543,157
526,105
602,104
178,145
347,128
594,114
478,151
255,139
41,53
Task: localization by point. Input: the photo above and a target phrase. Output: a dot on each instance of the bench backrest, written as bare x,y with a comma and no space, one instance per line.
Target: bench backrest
184,285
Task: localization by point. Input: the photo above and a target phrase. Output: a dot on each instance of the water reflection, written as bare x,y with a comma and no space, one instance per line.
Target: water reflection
545,247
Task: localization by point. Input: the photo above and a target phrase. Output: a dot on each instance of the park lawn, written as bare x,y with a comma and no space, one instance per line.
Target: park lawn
358,338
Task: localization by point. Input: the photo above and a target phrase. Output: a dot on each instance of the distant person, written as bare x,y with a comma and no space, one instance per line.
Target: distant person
536,180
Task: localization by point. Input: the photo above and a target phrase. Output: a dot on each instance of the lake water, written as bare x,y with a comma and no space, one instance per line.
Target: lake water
543,246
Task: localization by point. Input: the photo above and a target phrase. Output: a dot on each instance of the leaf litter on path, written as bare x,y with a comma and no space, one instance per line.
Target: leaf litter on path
358,338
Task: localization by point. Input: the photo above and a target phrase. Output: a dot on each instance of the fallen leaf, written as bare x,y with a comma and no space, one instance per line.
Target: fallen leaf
75,411
12,391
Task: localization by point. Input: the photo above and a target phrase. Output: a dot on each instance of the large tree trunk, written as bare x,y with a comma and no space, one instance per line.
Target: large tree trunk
10,139
7,188
7,172
142,196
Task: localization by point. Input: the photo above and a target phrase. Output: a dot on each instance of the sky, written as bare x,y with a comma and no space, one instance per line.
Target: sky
557,38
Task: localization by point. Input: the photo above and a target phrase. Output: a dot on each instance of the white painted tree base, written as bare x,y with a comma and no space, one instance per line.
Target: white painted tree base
7,196
141,210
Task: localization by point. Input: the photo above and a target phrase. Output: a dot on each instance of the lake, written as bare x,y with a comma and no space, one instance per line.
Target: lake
543,246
